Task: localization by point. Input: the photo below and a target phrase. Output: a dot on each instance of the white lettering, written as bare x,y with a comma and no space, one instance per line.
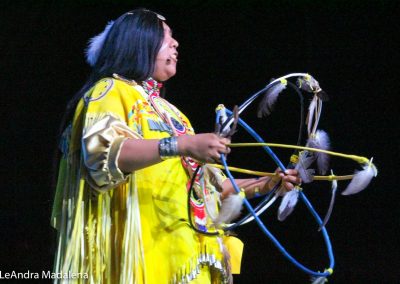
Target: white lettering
46,274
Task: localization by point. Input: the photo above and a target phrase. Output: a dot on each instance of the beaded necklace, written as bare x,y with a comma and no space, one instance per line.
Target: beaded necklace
167,112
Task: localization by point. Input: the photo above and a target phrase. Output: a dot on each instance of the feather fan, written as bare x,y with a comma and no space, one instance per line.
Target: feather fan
267,104
320,141
288,203
361,179
95,45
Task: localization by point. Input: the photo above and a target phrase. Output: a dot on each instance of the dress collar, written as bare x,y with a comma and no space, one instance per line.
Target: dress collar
152,87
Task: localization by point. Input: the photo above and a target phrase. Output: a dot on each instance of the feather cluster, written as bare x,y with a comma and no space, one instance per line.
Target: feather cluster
320,141
267,103
230,209
288,203
96,44
361,179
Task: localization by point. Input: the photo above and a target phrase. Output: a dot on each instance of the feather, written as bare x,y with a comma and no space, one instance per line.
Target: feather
227,260
320,141
267,104
311,112
308,84
323,96
260,211
305,160
215,176
361,179
230,209
95,45
319,280
303,85
333,197
288,203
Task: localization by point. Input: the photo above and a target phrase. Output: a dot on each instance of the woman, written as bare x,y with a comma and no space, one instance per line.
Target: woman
128,158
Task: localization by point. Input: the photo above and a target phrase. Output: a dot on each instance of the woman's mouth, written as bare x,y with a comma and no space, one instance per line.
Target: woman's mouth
174,57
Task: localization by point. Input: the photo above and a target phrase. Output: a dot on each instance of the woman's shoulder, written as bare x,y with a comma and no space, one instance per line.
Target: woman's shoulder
113,88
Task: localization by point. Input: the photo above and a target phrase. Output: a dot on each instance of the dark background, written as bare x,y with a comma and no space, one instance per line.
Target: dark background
228,50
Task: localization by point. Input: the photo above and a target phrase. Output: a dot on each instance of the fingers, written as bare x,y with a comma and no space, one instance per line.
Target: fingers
226,141
207,147
294,179
222,147
290,178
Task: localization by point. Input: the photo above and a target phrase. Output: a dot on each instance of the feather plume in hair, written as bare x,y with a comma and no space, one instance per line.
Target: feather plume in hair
267,103
96,44
305,160
230,209
361,179
320,141
288,203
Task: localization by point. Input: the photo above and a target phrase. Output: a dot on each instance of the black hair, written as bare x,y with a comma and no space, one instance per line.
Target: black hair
129,49
131,46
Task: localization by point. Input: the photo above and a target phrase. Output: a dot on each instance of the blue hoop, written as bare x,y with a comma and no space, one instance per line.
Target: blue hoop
263,228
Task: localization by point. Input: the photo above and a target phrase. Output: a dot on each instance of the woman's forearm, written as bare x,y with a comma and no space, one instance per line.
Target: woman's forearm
136,154
251,186
263,185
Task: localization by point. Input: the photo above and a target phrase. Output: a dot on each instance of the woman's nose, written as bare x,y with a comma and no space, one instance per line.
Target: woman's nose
175,43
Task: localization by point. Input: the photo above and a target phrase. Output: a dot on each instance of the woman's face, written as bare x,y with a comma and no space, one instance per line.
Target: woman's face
167,57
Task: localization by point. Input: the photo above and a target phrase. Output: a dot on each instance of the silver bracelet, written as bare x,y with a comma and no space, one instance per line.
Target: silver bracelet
168,148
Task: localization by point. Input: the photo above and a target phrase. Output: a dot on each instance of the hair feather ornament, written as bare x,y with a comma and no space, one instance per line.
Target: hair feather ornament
361,179
95,45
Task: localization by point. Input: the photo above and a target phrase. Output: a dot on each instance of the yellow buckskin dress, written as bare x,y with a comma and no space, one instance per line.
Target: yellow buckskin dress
129,228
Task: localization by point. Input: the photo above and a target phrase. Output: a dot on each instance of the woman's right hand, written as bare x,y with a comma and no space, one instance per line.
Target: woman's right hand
205,147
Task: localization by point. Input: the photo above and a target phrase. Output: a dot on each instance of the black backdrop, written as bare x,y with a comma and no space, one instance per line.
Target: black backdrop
228,49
